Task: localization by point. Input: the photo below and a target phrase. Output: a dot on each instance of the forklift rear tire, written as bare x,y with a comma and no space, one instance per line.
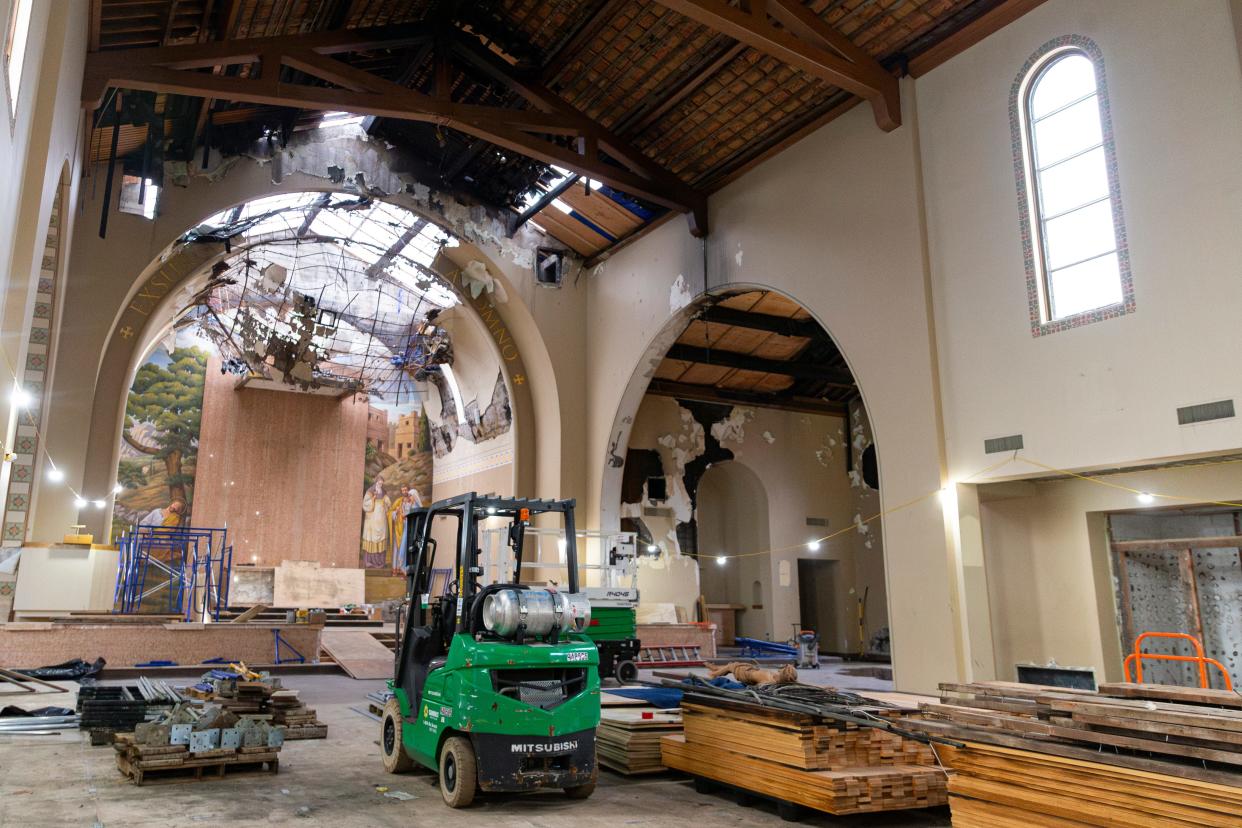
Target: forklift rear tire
458,772
396,760
626,671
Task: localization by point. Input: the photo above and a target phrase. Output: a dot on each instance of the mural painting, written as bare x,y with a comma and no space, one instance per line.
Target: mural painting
159,448
397,478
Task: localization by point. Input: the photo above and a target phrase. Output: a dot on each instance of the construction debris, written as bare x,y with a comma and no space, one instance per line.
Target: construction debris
749,674
243,691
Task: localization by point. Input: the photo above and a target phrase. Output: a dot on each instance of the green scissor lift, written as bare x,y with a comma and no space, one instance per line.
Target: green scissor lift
491,708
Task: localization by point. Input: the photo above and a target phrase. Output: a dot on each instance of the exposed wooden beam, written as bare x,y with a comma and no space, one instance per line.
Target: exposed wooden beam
539,95
762,322
745,362
544,200
710,393
858,74
992,21
163,70
679,93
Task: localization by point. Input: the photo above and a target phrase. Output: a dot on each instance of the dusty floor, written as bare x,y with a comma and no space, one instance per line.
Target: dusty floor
55,782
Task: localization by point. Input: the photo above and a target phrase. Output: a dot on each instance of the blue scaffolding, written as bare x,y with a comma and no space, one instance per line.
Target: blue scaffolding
193,564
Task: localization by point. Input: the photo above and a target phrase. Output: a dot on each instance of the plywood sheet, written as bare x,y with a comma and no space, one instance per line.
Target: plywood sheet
359,653
307,584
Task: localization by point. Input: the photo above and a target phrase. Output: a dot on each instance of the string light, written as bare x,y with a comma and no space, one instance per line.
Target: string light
79,502
117,489
721,560
54,474
21,398
99,504
1145,498
813,545
652,548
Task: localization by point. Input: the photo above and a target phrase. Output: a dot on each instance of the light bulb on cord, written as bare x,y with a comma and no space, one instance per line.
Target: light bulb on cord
118,488
652,548
813,546
79,502
1145,498
55,475
21,398
721,560
99,504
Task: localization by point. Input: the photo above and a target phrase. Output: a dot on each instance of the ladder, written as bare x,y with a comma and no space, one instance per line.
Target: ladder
670,655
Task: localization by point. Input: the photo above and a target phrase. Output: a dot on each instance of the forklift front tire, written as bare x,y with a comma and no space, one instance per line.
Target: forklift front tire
458,772
396,760
626,671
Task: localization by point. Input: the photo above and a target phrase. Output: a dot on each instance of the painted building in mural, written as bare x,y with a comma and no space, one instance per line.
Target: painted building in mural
397,478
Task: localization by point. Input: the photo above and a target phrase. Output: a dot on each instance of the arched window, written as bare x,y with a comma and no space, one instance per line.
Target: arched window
1077,261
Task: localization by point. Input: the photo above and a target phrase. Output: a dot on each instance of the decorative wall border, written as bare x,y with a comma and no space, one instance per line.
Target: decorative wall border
33,377
1027,228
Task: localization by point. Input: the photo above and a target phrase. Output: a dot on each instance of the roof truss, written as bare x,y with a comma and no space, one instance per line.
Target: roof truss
171,69
805,41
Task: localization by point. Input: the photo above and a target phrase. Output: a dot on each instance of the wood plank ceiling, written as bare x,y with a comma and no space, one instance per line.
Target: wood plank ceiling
684,99
757,348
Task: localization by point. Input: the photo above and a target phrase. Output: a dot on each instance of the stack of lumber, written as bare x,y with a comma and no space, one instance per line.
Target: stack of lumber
300,721
1126,755
799,741
628,740
174,763
243,696
803,759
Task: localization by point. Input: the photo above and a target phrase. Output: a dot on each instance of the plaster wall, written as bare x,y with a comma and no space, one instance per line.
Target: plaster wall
1104,393
282,470
834,223
1049,579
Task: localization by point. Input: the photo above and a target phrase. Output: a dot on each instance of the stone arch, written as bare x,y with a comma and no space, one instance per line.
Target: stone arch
146,309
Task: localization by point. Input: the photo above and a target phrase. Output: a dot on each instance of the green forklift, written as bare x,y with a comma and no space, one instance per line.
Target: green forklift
495,685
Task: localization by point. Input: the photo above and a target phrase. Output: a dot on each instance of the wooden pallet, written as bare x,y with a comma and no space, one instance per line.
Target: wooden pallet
176,767
317,730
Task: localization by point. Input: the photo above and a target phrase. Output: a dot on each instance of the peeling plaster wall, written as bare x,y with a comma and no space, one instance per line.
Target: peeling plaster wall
798,462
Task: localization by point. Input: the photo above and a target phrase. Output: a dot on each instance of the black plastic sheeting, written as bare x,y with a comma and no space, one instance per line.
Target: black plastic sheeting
42,711
74,670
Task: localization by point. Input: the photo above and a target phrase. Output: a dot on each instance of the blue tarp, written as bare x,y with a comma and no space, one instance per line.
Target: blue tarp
667,697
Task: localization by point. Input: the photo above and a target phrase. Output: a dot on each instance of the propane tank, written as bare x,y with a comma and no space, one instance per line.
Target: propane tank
540,610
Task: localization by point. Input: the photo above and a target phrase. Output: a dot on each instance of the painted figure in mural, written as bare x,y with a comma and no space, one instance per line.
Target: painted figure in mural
169,517
403,505
375,505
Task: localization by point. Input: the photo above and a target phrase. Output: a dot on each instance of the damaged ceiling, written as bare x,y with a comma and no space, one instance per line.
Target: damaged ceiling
613,114
756,348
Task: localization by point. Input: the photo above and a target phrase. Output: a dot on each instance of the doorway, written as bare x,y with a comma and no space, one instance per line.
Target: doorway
817,589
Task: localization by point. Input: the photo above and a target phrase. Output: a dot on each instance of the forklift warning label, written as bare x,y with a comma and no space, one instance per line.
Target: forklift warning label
545,747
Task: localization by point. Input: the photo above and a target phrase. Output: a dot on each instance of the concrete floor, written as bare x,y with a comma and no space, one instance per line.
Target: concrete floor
55,782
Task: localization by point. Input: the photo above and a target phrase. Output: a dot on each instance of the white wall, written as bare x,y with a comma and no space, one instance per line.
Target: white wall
1105,393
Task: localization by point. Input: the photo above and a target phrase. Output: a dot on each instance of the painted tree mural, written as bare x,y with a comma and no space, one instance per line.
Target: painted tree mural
162,420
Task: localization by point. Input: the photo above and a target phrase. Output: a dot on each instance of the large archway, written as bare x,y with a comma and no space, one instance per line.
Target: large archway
398,256
748,374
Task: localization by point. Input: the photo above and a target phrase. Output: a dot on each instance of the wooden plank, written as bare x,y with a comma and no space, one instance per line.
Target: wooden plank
1173,693
248,614
358,653
1179,544
850,791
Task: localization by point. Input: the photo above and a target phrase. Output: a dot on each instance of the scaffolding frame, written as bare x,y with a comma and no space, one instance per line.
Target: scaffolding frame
193,564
